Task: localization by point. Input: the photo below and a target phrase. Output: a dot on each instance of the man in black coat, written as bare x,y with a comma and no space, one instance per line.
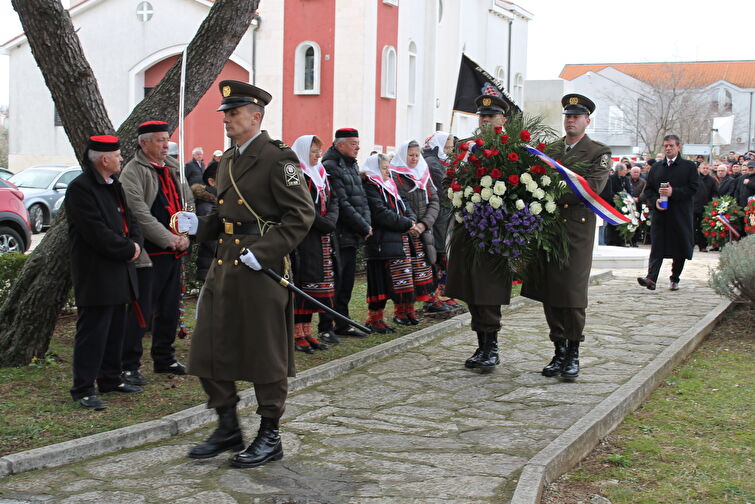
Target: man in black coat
745,184
617,182
705,192
105,240
352,228
672,230
194,168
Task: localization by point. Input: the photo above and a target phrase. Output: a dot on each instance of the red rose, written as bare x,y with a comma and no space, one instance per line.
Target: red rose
541,147
722,234
504,139
479,141
514,180
477,189
481,172
495,173
450,172
487,153
728,216
525,136
715,203
513,156
712,213
455,187
459,158
464,146
498,129
537,169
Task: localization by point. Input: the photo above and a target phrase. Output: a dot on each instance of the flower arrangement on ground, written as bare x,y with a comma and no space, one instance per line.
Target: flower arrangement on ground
749,217
714,230
505,198
626,205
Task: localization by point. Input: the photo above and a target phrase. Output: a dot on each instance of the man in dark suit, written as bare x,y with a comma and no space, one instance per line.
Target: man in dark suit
105,242
706,190
563,292
671,212
194,168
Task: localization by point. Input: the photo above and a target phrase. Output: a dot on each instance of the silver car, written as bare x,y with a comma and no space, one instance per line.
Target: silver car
44,188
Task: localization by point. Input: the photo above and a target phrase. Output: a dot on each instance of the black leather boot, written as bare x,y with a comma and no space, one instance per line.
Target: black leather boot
489,358
570,369
226,437
265,448
474,361
557,361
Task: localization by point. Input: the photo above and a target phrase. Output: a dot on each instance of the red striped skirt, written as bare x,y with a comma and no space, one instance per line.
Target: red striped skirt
323,291
402,280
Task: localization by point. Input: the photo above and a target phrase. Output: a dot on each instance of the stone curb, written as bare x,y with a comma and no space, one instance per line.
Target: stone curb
574,444
192,418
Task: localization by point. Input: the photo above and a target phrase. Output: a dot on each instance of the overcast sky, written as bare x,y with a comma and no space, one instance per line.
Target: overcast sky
593,31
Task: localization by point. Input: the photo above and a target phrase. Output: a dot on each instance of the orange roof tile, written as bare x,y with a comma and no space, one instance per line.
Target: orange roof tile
689,74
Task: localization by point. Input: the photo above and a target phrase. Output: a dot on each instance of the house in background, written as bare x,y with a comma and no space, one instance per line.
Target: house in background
385,67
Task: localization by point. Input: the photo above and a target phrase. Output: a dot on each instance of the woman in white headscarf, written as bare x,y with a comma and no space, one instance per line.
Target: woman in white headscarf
417,190
314,258
389,261
436,151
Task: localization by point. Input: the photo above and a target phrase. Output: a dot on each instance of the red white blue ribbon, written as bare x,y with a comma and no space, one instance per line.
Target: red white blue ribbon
582,189
723,220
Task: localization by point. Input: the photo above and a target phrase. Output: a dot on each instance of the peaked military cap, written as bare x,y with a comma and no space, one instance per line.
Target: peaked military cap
237,94
491,105
576,104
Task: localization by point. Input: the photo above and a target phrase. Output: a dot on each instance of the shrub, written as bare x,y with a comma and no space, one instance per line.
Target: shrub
10,267
735,275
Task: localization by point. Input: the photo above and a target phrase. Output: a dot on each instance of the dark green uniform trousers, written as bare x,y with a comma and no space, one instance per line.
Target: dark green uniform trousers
565,323
271,397
485,318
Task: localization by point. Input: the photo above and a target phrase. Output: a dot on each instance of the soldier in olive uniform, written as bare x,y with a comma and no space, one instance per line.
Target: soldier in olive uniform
477,282
245,324
563,292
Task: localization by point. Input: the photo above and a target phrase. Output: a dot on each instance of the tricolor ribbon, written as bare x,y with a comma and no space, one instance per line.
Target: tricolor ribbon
723,220
582,189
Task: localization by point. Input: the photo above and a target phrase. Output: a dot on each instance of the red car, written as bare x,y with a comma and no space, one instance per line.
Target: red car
15,231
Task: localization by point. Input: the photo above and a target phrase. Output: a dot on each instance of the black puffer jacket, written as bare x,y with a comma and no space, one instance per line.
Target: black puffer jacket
389,225
438,172
354,212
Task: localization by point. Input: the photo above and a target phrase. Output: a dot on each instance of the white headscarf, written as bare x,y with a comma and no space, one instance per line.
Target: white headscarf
438,139
420,174
316,173
371,168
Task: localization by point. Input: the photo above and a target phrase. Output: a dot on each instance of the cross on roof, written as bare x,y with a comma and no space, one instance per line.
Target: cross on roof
144,11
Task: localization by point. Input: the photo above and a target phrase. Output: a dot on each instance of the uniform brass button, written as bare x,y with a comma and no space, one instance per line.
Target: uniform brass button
238,223
583,219
564,220
566,205
236,241
220,240
220,261
235,262
220,201
240,202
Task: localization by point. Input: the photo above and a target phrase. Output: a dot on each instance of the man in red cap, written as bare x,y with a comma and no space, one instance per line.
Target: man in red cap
151,181
105,243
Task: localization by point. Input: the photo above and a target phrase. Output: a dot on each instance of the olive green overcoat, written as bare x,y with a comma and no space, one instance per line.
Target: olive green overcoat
244,328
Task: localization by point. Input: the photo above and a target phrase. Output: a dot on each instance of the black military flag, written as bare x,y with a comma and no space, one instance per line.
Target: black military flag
475,81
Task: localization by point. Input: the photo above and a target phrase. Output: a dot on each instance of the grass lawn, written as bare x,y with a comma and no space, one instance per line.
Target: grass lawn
37,410
692,441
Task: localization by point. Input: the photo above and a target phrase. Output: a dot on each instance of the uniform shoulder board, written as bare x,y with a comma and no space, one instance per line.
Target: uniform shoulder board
280,144
600,144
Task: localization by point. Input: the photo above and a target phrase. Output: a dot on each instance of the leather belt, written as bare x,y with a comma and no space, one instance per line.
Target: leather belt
240,228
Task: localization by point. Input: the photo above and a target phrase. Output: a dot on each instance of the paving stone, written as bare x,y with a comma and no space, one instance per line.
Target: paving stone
105,498
171,492
79,485
213,496
135,462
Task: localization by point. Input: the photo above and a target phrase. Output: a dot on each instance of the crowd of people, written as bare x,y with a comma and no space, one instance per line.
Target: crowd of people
266,216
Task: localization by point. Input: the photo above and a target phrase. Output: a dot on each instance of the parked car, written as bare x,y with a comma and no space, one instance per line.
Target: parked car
43,186
15,231
5,173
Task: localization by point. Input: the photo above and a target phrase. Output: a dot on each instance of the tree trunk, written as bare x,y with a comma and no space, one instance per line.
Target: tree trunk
27,318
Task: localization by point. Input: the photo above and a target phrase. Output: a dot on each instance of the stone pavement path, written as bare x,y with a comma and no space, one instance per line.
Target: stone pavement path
412,428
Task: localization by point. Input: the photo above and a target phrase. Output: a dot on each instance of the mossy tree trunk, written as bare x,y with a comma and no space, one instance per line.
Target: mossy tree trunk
28,316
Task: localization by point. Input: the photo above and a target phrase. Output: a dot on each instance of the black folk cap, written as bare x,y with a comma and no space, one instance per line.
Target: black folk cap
237,94
347,133
577,104
491,105
103,143
152,127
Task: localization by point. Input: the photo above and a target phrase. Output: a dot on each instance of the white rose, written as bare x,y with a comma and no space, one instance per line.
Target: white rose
550,207
499,188
486,193
458,194
467,191
486,181
456,202
476,198
545,180
519,204
562,183
624,209
470,207
525,178
450,193
496,201
532,186
539,193
458,217
535,208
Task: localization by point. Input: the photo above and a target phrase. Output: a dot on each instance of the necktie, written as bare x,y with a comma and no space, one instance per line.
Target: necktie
568,148
236,154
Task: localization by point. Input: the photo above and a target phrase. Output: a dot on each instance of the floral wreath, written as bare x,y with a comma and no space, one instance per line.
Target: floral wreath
749,218
713,229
